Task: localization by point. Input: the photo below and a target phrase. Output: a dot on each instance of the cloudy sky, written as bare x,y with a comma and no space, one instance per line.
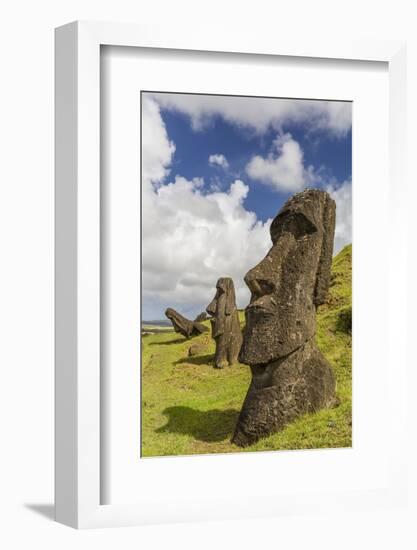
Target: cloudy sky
215,172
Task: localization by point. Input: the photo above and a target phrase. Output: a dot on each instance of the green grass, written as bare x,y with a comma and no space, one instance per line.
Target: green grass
189,407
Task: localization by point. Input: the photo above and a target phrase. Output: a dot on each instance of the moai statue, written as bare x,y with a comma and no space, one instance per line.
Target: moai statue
201,317
225,327
290,376
184,326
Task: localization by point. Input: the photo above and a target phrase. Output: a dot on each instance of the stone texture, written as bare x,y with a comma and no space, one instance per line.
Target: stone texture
225,327
201,317
290,376
184,326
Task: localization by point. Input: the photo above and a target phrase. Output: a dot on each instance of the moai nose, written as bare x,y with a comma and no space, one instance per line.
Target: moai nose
211,308
259,281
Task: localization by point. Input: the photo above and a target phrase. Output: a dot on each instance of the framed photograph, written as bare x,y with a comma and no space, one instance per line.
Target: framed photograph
222,207
258,227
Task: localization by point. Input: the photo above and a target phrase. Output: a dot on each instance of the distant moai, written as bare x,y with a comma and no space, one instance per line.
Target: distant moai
184,326
290,376
201,317
225,326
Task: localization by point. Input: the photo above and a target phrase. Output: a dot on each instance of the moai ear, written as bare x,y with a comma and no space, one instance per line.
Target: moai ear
230,297
325,262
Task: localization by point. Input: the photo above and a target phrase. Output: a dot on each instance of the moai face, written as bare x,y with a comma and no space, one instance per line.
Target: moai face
184,326
225,323
179,322
292,279
222,305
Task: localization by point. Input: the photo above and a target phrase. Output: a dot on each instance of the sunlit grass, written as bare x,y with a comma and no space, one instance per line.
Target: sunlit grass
190,407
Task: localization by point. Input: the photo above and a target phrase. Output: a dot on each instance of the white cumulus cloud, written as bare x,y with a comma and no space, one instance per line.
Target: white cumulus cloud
219,159
343,196
283,169
260,114
190,238
157,149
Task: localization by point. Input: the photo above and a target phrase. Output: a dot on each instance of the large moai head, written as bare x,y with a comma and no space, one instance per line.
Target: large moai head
292,279
222,305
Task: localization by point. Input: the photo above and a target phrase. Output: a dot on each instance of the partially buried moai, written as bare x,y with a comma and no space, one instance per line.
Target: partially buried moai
183,325
225,325
290,376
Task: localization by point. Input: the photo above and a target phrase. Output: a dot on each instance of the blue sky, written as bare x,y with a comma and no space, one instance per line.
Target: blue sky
193,149
215,172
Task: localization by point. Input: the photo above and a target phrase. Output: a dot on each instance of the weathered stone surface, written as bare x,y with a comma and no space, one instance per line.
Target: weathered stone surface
184,326
225,327
201,317
283,390
289,374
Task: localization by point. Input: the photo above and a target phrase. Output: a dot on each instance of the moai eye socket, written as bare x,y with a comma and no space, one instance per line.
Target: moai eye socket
295,223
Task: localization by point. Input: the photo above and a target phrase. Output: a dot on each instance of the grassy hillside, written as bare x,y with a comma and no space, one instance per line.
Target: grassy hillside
190,407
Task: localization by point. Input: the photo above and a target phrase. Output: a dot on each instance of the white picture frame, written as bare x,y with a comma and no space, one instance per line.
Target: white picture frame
77,422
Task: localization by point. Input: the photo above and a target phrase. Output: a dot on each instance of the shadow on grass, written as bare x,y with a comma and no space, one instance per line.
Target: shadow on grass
209,426
177,341
45,510
197,360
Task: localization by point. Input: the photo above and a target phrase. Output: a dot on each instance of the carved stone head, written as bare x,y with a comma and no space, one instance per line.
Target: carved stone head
223,304
183,325
292,279
180,323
